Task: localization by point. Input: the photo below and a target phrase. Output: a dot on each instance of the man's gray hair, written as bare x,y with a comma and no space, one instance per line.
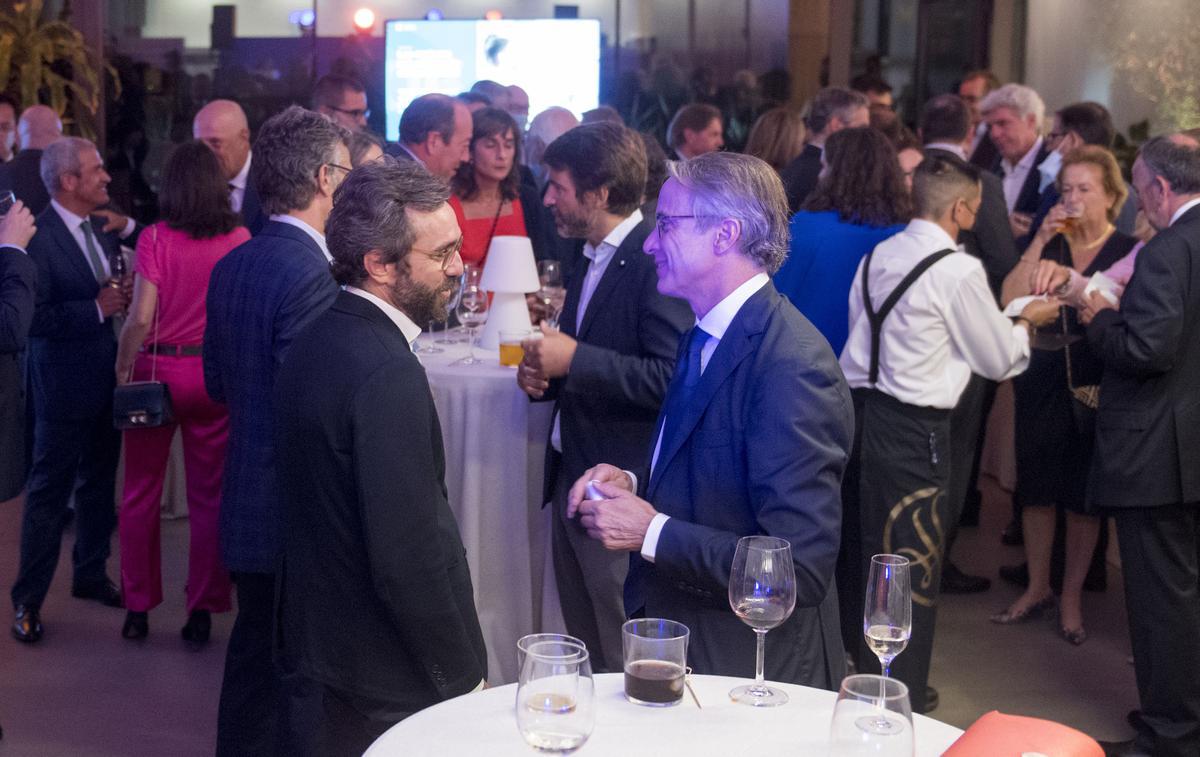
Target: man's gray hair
830,103
288,155
1021,100
370,212
727,185
1178,163
61,157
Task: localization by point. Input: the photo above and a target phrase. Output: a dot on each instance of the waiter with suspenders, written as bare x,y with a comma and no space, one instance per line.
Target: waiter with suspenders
922,319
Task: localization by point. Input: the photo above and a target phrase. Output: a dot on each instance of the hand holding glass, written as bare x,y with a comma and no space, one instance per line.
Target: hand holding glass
555,696
762,592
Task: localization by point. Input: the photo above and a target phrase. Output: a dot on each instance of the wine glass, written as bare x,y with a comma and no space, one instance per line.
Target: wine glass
472,313
887,612
762,592
863,702
551,293
451,306
529,639
555,697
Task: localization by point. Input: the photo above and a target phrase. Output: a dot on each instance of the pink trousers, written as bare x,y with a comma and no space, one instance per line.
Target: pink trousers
204,425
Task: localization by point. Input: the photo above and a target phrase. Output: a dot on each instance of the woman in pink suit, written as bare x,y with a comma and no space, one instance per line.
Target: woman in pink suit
175,258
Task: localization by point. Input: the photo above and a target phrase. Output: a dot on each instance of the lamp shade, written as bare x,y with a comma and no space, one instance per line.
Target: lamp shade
510,266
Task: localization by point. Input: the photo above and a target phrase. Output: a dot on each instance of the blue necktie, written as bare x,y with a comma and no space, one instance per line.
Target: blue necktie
683,388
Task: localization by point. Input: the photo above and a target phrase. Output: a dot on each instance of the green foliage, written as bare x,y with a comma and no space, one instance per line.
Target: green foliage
47,62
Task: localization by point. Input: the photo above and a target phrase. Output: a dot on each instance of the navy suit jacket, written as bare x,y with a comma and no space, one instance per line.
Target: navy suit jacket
22,175
253,217
18,283
1030,196
72,353
801,175
261,295
622,365
761,450
1148,424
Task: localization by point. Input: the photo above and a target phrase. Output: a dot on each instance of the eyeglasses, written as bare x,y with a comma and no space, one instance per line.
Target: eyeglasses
1056,135
443,256
663,222
339,167
356,114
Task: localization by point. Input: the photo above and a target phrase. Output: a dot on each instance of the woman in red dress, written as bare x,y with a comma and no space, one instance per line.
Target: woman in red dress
487,189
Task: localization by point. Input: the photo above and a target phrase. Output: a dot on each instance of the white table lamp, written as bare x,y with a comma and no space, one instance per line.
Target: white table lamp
509,274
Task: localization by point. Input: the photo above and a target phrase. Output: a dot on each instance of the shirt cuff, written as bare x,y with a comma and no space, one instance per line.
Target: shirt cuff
479,687
632,477
650,542
16,247
130,227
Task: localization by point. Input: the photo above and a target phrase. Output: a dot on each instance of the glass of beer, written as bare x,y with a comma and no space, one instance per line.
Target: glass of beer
511,351
1074,213
655,661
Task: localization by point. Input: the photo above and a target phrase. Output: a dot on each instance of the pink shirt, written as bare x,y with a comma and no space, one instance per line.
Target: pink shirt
180,267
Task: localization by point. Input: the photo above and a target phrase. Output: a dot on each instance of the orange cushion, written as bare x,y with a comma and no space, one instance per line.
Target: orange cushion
999,735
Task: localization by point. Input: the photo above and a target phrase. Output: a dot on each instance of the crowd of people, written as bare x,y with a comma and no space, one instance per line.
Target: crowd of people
801,339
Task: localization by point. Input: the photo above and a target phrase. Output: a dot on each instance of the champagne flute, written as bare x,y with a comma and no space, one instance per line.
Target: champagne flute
551,293
472,313
555,697
887,613
862,702
762,592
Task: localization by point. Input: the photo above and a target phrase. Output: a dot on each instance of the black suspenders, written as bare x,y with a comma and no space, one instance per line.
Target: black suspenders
876,318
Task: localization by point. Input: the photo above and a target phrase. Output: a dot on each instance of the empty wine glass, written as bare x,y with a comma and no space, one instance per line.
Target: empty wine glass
887,613
551,294
529,639
762,592
864,701
472,313
555,696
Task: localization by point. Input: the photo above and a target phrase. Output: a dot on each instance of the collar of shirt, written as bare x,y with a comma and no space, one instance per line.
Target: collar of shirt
410,330
716,321
1025,163
1183,209
413,154
615,239
239,181
1049,169
70,219
948,147
939,239
317,236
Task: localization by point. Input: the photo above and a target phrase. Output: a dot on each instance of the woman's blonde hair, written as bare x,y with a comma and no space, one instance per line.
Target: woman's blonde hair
777,137
1110,173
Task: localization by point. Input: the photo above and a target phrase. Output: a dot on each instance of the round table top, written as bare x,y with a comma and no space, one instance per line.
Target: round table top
484,723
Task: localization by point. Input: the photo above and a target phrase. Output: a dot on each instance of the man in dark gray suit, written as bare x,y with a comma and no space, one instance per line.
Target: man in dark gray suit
1147,462
831,110
222,126
608,367
38,127
753,438
18,279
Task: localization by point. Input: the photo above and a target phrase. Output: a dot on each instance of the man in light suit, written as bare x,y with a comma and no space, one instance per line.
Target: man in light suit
260,297
375,598
753,438
607,369
1146,467
72,350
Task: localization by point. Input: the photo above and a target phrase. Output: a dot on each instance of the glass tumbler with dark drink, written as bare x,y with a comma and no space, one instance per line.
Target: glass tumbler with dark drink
655,661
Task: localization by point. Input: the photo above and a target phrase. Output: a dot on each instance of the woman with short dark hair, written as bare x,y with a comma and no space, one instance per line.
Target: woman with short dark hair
488,196
860,200
162,338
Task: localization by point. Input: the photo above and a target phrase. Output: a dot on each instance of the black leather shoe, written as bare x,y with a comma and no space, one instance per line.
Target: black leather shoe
198,628
137,625
931,700
104,591
1012,535
1123,749
1017,575
954,581
27,626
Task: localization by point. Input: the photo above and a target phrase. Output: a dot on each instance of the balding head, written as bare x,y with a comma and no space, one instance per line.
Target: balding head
38,127
223,127
547,126
1184,139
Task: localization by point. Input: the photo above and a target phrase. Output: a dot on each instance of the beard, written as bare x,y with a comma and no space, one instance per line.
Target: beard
423,304
571,225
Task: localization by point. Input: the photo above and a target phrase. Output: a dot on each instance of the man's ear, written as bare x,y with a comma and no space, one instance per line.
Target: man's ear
729,233
598,196
377,270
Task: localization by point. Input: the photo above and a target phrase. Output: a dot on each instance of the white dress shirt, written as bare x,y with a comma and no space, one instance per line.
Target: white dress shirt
949,147
716,322
600,255
74,225
316,236
1183,209
410,330
237,185
943,329
1015,175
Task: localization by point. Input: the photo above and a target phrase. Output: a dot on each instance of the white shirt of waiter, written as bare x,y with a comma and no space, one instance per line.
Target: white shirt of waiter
945,327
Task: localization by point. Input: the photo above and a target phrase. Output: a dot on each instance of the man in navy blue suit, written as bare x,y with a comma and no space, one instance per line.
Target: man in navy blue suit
753,437
223,127
260,297
18,277
72,350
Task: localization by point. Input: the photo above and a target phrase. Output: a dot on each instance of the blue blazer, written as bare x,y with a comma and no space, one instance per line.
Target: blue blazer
261,295
72,353
820,267
18,289
764,445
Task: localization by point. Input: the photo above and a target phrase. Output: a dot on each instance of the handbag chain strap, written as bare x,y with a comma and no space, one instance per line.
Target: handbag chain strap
157,304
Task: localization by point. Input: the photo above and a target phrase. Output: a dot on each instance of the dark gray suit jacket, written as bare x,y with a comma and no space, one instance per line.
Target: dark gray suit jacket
18,279
1148,425
375,593
22,175
608,402
766,440
801,175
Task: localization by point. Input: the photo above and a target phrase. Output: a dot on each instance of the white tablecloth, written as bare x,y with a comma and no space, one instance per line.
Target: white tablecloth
484,723
495,441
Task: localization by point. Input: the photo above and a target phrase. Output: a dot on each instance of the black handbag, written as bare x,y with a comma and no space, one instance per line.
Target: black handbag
144,404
